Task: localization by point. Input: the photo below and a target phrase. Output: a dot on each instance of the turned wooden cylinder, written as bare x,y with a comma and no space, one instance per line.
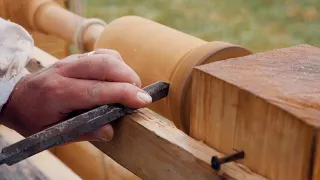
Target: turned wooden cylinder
47,16
157,52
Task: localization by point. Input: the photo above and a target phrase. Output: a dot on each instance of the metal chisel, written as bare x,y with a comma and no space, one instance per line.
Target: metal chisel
74,127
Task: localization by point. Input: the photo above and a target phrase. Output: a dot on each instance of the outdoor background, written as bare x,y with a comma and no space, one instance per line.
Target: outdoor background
259,25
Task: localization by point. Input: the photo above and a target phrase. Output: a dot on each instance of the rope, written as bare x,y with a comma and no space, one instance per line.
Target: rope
79,35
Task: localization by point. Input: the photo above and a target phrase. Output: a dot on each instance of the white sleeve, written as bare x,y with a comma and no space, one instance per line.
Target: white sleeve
16,49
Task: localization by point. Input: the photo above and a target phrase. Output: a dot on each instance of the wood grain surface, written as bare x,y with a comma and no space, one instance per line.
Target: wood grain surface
266,104
154,148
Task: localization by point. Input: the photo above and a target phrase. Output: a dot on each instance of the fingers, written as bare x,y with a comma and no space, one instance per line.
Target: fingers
103,67
84,94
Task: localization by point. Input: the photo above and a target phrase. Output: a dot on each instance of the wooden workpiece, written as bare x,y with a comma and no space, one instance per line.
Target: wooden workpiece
159,53
265,104
42,166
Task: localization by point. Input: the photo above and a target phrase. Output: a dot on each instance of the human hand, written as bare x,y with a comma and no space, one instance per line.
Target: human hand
78,82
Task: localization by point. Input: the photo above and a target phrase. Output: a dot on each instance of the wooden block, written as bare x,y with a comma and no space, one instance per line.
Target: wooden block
154,148
266,104
44,165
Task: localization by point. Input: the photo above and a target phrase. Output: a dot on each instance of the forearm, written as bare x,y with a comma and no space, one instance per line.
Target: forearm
16,47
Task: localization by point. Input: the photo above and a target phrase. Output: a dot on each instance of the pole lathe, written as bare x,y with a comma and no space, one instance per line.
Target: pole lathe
156,52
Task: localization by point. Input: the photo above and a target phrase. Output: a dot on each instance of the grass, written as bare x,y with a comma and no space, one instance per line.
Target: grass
259,25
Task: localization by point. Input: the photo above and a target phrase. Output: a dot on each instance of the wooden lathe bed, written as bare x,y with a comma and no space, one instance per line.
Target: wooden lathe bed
223,99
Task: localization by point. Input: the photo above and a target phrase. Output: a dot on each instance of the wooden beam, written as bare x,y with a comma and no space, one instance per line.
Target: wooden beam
266,104
43,166
153,148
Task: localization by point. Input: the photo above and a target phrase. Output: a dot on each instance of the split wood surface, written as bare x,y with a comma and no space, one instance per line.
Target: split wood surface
267,105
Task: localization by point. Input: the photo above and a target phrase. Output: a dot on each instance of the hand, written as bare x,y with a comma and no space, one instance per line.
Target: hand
78,82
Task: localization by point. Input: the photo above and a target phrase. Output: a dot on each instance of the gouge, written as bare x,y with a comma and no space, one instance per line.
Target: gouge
74,127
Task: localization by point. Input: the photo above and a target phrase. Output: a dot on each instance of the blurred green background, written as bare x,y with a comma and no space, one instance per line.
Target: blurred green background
259,25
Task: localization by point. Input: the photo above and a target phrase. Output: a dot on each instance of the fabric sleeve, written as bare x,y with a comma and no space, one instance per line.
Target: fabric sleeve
16,49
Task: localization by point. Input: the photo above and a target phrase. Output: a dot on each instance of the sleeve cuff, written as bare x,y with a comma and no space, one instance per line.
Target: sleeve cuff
16,48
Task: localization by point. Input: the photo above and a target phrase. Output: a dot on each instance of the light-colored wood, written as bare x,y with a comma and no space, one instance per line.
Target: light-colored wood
157,52
43,57
46,165
266,104
18,11
53,45
90,163
48,17
83,158
154,148
316,158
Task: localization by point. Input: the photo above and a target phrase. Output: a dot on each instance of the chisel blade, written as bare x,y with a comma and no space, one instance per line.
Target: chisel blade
74,127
